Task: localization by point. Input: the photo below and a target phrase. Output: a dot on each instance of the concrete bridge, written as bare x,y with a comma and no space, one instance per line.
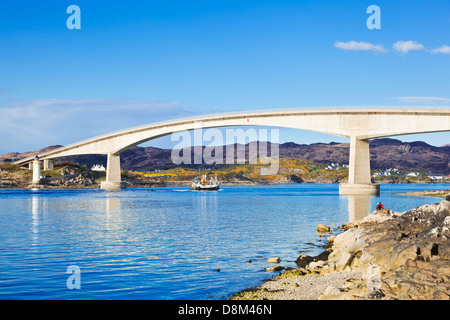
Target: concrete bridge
359,125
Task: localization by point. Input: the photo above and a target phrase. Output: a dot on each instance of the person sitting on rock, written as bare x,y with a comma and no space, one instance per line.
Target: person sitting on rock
379,206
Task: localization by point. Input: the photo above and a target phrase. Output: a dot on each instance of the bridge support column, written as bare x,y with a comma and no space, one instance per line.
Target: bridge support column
48,165
359,177
113,176
36,171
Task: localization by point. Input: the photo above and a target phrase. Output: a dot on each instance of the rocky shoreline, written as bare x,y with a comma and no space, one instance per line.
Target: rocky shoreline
387,256
433,193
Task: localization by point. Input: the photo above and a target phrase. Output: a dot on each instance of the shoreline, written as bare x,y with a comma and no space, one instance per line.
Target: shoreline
432,193
94,185
385,256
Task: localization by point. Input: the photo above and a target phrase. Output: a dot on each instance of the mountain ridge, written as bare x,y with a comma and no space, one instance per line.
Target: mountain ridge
385,153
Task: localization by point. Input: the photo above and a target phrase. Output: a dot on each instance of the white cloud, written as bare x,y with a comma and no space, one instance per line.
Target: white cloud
443,49
400,46
424,100
406,46
359,46
28,125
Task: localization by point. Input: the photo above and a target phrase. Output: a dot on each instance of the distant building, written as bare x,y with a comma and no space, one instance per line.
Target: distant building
413,174
99,168
386,173
435,177
336,166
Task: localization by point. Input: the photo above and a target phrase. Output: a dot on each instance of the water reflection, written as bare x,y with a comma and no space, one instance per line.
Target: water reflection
35,218
359,206
112,206
113,210
207,203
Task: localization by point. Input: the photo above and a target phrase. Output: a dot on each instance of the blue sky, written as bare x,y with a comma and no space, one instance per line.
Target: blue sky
136,62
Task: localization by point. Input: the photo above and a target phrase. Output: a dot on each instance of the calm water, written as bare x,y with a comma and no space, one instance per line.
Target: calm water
167,243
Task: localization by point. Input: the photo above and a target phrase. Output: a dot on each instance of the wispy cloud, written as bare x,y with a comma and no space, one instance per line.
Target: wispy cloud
443,49
400,46
359,46
27,125
406,46
424,100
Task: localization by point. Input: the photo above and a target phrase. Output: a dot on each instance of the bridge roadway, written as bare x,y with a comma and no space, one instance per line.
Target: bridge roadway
359,125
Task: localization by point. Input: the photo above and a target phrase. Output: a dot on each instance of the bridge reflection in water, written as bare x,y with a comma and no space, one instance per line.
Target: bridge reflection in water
359,206
113,207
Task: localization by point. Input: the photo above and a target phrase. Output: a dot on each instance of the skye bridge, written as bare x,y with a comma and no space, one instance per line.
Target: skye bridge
357,124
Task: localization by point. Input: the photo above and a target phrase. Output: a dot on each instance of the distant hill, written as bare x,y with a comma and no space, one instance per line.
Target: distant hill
385,153
14,156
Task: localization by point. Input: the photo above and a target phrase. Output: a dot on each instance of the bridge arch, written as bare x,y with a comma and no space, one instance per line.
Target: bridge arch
359,125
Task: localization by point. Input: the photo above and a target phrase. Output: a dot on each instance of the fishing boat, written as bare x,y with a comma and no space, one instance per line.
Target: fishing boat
204,184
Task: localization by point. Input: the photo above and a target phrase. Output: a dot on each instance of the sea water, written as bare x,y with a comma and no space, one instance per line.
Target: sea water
168,243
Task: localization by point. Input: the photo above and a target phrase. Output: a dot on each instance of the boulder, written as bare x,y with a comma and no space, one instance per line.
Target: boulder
346,239
344,261
375,218
276,268
323,256
445,252
303,261
322,228
382,211
316,265
274,260
349,225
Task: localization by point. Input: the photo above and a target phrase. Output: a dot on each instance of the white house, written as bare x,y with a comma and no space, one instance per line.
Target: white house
413,174
99,168
435,177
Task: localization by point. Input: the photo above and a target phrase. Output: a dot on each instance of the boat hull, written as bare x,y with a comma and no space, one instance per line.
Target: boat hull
205,188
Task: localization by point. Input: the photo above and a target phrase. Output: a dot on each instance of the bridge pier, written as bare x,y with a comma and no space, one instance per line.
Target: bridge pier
359,177
113,176
48,165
